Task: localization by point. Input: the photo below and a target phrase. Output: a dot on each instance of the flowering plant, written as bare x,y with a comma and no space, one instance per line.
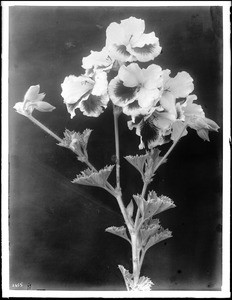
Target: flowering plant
160,108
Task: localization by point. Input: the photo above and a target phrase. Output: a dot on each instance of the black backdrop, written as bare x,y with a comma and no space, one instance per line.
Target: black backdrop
57,237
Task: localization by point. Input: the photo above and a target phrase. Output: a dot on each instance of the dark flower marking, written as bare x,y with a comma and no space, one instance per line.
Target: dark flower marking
146,49
123,92
92,104
148,131
122,49
133,105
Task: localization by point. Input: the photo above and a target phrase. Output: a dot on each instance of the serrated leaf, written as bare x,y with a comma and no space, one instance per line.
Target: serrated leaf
120,231
163,234
144,284
76,141
140,203
128,277
150,230
92,178
155,205
130,208
138,161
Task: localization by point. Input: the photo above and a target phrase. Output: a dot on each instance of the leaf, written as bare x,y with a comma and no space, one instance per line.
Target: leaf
138,161
128,277
76,141
155,205
144,284
130,209
85,136
140,203
120,231
89,177
150,230
158,237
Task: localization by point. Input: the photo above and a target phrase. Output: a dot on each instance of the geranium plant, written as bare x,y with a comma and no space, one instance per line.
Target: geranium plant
161,107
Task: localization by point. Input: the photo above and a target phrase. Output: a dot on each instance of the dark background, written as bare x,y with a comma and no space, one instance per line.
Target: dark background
57,237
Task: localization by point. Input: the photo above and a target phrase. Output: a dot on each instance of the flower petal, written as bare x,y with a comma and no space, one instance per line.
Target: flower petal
133,28
191,109
44,106
130,75
120,53
134,109
73,106
32,93
98,60
146,98
19,107
150,134
146,48
152,76
92,107
120,94
181,85
73,88
168,102
101,84
115,34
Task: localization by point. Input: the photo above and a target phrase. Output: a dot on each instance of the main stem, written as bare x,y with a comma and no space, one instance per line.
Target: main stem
116,136
118,192
129,222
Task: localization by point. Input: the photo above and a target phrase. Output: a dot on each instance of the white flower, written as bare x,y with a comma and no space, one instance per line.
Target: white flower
165,120
33,100
173,88
153,130
128,42
97,61
136,90
89,94
195,118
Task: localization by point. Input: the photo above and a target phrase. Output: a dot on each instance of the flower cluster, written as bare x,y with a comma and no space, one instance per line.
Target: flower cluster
160,106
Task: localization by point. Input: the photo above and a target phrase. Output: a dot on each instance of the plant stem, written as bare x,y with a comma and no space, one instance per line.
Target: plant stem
109,187
145,184
170,149
135,256
116,136
118,191
138,261
44,128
